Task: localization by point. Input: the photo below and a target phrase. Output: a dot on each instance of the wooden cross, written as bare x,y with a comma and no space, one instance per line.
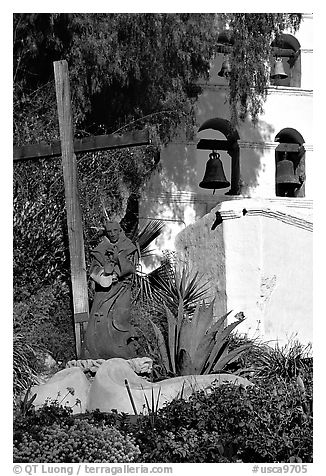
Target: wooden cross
67,147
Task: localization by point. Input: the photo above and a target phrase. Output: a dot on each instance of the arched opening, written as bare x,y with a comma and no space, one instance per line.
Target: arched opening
289,164
286,58
225,44
230,145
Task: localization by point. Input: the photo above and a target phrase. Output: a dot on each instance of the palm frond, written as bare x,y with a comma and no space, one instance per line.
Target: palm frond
148,233
170,286
162,347
142,285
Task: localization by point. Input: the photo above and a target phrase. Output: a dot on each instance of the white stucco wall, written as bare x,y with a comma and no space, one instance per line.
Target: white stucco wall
287,265
268,263
202,249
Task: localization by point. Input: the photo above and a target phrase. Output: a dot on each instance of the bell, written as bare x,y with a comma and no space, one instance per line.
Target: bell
279,72
225,69
214,177
286,179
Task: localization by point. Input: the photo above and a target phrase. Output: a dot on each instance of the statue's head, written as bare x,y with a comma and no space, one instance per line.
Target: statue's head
113,230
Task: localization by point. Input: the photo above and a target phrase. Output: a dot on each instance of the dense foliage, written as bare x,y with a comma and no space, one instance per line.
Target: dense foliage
126,67
123,67
44,318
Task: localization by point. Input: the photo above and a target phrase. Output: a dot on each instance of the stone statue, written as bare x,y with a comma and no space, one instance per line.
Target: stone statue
109,332
107,390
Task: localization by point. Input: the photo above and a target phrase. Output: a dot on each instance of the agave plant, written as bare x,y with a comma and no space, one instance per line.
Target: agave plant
196,345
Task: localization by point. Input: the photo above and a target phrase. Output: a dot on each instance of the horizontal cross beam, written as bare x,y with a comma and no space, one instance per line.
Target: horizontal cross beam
87,144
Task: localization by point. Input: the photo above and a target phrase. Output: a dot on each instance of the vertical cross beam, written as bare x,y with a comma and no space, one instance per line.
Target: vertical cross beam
73,210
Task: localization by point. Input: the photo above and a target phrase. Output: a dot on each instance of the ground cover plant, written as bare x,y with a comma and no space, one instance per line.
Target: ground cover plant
72,441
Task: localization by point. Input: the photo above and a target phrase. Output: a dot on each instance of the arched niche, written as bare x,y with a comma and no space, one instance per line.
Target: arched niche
287,47
291,148
230,145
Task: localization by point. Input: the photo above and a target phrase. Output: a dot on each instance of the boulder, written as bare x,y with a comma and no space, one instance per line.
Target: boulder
69,387
109,391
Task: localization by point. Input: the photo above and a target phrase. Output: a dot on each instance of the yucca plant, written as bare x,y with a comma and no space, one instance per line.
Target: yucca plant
196,345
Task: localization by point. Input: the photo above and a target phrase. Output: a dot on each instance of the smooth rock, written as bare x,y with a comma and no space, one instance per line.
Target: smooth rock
108,390
66,387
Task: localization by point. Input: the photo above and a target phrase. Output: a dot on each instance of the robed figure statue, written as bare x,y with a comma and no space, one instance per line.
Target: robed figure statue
109,332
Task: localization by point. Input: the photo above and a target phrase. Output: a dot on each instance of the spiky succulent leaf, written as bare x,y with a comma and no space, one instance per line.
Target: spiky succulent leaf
218,325
180,319
186,335
185,364
202,320
161,347
172,337
221,338
230,357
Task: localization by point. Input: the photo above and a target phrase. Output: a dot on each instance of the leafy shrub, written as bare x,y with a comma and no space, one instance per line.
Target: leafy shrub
79,442
32,421
266,423
184,445
44,319
40,244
